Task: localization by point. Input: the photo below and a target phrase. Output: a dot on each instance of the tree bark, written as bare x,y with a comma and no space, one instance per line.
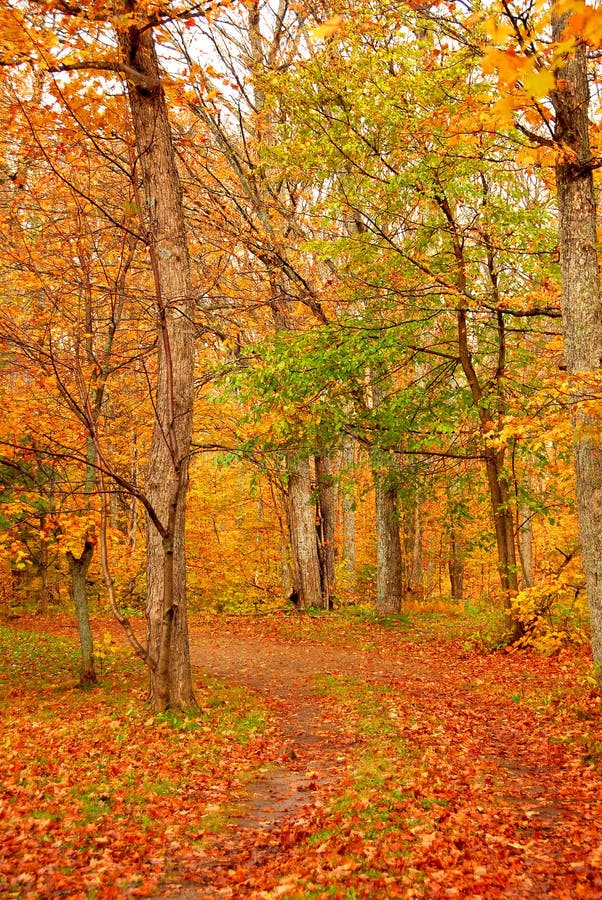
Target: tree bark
526,545
303,535
499,491
455,563
326,526
413,545
581,313
78,569
167,475
348,511
389,563
499,494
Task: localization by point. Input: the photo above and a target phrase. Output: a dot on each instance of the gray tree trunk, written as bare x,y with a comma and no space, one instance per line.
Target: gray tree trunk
167,475
303,535
389,564
581,312
348,511
78,569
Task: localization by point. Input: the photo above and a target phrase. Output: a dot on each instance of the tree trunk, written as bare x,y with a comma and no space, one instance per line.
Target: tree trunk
455,564
348,511
413,546
526,545
161,210
303,535
78,569
326,527
499,495
389,564
581,313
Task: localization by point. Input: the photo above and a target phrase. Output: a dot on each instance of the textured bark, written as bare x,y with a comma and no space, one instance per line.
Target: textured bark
303,535
488,399
348,512
413,546
526,546
455,563
167,475
389,574
78,569
326,526
499,495
581,313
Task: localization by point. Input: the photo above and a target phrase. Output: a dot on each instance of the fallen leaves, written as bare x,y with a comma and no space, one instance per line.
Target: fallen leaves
452,773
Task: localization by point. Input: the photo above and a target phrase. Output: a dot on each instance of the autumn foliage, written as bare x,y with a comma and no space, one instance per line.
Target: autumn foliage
300,336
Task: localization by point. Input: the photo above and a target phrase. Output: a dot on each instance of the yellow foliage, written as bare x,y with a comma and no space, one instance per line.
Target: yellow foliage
327,29
551,615
498,29
507,63
538,84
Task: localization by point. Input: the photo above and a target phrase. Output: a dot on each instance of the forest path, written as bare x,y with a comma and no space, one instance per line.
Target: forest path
516,813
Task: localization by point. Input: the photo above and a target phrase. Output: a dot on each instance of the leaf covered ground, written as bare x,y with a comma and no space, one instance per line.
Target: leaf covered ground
331,758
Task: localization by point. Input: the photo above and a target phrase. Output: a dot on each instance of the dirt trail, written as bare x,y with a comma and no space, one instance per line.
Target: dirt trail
508,782
315,741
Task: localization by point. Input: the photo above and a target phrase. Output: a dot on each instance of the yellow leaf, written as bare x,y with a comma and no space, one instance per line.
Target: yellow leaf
538,84
499,30
327,29
527,157
503,110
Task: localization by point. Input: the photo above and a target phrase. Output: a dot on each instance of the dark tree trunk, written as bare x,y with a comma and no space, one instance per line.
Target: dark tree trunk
78,569
499,494
326,526
526,546
456,564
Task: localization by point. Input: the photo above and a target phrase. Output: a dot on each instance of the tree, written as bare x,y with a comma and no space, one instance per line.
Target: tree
433,237
167,478
550,56
261,227
158,204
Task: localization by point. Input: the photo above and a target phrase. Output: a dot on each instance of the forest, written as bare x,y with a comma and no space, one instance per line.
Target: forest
300,346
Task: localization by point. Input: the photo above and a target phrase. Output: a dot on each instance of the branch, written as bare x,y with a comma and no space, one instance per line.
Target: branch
133,75
535,138
551,312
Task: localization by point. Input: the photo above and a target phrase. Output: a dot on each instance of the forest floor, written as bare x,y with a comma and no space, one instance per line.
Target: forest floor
331,758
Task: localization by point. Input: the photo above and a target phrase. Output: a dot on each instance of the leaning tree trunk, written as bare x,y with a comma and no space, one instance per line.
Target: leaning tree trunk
303,535
389,561
581,313
161,209
78,569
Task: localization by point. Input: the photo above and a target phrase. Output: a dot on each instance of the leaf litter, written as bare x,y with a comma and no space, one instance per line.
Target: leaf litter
409,768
